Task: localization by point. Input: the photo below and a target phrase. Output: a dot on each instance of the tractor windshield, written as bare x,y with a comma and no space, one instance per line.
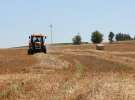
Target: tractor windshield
37,39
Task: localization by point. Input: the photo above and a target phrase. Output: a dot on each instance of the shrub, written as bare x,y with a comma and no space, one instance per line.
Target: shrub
96,37
77,40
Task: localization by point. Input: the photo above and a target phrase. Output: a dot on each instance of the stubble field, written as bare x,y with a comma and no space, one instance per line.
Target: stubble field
69,73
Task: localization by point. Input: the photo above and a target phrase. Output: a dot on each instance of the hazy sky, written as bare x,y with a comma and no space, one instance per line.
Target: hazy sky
20,18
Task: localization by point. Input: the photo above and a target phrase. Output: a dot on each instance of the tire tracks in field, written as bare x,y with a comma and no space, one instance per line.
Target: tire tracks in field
48,62
105,55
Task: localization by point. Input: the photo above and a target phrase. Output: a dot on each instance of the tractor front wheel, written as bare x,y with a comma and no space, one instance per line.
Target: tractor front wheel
30,52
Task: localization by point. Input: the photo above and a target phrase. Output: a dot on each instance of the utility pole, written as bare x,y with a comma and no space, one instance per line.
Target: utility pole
51,31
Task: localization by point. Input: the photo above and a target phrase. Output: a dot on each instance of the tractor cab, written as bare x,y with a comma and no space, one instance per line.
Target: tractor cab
37,43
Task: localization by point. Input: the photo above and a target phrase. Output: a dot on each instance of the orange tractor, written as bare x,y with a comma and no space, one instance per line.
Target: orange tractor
37,44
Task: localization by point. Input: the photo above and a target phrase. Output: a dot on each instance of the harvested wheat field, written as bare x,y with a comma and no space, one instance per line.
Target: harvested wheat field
69,73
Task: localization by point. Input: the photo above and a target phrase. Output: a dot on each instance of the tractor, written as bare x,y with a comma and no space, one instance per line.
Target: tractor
37,44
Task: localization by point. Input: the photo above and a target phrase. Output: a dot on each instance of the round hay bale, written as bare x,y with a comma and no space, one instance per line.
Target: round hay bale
99,47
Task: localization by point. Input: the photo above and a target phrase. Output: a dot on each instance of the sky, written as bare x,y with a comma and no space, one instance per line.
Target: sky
20,18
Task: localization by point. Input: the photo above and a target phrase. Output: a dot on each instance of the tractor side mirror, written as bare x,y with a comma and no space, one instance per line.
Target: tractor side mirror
29,37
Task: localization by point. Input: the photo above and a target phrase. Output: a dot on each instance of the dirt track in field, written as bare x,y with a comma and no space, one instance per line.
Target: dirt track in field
69,72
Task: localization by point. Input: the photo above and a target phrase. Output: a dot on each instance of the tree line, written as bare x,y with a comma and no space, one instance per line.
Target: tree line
97,37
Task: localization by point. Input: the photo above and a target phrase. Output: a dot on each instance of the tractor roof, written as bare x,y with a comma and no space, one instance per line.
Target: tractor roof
38,35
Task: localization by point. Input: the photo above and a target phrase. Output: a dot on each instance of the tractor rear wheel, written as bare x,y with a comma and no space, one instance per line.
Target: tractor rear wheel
45,50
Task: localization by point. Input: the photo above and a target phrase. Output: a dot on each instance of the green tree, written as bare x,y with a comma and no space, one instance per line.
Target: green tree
110,37
122,37
77,40
96,37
